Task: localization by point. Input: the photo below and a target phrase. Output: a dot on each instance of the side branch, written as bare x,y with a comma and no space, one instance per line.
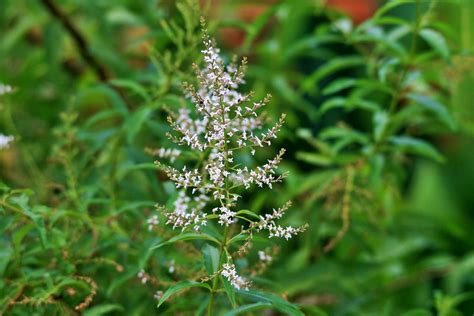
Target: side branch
78,38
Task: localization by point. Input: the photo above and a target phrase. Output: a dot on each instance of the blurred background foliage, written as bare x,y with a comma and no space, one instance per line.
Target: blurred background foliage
379,135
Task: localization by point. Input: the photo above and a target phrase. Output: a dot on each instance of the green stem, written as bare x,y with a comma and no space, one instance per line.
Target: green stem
399,85
215,281
409,60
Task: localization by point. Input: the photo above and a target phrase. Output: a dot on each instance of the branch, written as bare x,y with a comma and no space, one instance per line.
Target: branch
78,38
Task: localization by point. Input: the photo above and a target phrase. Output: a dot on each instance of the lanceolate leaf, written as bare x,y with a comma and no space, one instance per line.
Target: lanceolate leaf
179,287
416,146
186,236
249,308
439,110
436,40
276,302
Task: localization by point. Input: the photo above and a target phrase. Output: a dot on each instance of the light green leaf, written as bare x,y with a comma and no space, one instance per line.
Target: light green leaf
439,110
211,258
389,6
332,103
186,236
134,123
102,309
247,212
380,121
181,286
338,85
331,67
313,158
436,41
276,301
230,291
249,308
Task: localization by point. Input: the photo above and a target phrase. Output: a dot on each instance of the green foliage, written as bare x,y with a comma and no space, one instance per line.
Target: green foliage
379,149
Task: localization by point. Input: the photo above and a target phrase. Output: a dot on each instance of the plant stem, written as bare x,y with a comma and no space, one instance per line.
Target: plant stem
215,281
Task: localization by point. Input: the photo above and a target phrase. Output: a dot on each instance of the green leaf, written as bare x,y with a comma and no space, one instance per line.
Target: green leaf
389,6
102,309
416,146
332,103
236,238
230,291
331,67
338,85
380,121
343,133
247,212
211,258
181,286
418,312
254,29
102,115
18,235
132,86
313,158
249,308
184,237
436,41
439,110
276,301
134,123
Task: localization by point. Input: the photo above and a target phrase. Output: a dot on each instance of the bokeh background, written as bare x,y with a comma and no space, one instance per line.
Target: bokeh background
111,65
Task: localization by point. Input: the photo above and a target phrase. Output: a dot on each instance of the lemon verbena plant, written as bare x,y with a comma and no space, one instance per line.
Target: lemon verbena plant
221,131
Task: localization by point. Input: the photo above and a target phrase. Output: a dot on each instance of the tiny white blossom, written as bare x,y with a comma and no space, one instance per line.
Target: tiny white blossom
171,267
158,295
152,221
143,276
229,272
5,141
264,257
5,89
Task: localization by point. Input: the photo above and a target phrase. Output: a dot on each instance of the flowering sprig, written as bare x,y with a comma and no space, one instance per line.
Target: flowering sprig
5,140
224,123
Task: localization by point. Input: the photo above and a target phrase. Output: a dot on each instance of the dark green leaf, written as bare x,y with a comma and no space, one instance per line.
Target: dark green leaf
416,146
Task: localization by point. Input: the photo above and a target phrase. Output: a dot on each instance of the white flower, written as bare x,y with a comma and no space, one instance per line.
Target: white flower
5,89
226,216
268,223
187,212
169,153
152,221
5,141
229,272
143,276
264,257
171,267
158,295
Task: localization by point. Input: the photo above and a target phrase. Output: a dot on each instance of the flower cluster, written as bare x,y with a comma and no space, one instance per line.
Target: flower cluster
229,272
268,223
224,125
170,153
187,212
